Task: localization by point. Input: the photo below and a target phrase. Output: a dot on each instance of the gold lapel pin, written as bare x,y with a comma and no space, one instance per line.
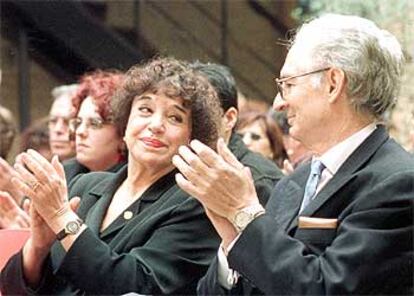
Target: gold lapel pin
128,215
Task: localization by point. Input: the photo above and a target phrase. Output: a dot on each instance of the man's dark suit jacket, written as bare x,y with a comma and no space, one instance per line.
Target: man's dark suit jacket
265,172
369,252
164,249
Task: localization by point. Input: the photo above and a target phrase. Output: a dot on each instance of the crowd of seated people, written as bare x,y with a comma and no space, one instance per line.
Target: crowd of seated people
95,145
151,181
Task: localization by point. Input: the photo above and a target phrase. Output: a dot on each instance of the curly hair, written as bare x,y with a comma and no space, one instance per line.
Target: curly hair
100,86
175,79
272,130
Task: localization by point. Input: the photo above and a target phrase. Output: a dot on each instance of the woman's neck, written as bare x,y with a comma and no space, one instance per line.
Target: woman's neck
140,176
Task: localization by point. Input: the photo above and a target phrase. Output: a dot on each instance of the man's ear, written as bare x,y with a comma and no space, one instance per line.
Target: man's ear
336,81
229,119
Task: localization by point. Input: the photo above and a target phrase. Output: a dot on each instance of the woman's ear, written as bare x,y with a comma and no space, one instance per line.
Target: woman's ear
336,80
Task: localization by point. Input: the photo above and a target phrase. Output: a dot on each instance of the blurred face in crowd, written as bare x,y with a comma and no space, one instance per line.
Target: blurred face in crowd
295,150
255,138
59,116
157,126
98,144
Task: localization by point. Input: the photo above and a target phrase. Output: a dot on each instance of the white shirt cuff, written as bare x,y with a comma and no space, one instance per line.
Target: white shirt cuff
227,277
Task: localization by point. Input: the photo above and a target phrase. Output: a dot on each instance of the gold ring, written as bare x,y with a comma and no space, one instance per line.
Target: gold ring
34,185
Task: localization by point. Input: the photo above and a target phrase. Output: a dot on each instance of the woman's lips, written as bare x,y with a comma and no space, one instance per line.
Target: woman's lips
153,142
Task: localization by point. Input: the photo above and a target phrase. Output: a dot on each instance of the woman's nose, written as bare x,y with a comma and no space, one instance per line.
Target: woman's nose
81,130
157,124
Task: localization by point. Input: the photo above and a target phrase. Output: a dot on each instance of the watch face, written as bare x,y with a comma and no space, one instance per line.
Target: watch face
242,219
73,227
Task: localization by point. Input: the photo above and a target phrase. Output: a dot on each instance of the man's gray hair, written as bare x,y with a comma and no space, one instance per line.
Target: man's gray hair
371,58
64,90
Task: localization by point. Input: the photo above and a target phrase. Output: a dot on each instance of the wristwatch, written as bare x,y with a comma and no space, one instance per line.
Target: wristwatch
71,228
246,215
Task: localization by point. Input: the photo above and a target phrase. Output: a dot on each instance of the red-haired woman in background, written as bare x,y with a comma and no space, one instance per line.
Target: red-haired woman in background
99,144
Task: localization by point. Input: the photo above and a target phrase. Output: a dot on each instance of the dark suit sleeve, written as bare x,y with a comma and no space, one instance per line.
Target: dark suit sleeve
371,252
167,261
209,284
264,187
12,279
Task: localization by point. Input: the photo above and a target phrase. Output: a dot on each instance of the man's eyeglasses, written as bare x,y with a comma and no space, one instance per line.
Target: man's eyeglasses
53,120
280,81
92,123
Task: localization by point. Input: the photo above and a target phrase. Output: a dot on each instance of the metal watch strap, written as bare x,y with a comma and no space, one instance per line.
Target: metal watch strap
244,216
67,231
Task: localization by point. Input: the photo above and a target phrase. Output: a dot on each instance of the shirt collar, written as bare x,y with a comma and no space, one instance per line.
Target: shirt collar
338,154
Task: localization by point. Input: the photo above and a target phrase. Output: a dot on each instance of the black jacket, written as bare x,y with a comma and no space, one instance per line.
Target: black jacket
265,172
73,168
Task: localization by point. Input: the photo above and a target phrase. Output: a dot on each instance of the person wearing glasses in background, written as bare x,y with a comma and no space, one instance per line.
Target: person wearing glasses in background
261,134
342,223
98,141
59,115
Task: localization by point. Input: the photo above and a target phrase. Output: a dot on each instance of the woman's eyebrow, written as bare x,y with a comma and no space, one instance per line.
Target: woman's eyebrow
180,108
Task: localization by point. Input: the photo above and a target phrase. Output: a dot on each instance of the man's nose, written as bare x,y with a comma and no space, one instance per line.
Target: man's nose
60,126
278,103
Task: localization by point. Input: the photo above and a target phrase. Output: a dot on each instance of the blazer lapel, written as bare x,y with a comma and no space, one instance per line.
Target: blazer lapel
150,196
103,193
346,171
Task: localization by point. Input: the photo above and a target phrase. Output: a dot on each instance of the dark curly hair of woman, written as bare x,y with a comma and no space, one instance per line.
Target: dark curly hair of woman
174,79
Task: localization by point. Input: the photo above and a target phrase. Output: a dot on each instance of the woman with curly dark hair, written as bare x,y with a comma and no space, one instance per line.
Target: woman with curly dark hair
135,230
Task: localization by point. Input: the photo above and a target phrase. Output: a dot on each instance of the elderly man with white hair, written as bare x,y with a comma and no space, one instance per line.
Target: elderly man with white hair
343,223
60,113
